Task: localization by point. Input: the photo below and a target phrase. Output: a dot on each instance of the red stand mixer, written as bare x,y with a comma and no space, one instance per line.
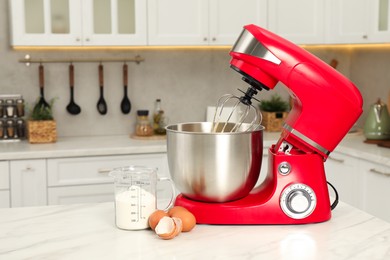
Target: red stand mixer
325,107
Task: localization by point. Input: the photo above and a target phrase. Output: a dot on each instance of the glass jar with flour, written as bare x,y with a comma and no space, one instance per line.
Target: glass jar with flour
136,196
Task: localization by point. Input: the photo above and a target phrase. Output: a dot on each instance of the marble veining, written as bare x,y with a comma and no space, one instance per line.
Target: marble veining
87,231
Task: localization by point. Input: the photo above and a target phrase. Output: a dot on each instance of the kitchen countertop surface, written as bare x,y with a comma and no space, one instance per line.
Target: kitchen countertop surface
352,145
87,231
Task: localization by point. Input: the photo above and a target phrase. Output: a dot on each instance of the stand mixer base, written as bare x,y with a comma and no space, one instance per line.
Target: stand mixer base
299,196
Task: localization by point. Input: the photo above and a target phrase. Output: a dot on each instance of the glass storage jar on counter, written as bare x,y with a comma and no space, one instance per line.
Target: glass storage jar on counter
2,129
143,126
12,113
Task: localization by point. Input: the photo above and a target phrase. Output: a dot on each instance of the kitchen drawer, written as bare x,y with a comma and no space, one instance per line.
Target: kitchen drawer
376,189
4,199
95,169
4,175
81,194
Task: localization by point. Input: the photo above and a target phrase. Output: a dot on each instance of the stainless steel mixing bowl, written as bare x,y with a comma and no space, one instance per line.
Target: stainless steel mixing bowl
213,167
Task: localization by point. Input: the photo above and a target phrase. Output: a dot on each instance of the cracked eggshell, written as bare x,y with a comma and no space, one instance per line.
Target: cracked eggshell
168,228
155,217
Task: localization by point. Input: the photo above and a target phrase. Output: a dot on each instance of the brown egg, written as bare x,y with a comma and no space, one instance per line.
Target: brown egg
172,211
168,228
155,218
187,218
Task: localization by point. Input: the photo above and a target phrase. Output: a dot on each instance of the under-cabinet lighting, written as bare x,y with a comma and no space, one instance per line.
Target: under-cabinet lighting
116,48
372,46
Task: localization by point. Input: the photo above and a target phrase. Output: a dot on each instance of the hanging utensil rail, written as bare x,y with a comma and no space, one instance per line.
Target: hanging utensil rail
28,60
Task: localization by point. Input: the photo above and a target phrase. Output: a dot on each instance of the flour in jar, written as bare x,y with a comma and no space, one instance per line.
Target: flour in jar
133,208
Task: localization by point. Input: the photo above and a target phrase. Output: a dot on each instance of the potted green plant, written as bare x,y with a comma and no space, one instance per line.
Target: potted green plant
41,126
274,113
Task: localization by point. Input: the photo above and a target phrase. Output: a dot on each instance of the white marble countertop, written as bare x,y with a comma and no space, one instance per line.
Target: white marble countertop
88,232
81,146
352,144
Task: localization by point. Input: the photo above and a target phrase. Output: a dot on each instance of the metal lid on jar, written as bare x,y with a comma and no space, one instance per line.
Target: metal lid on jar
142,112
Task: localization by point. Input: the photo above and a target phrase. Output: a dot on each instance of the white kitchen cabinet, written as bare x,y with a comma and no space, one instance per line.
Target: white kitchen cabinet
4,185
78,23
44,22
202,22
380,21
376,189
85,179
95,169
358,21
28,182
80,194
4,175
114,22
4,199
343,173
300,21
227,18
348,21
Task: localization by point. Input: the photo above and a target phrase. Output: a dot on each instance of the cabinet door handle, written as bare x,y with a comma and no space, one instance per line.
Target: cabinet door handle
104,170
336,160
380,172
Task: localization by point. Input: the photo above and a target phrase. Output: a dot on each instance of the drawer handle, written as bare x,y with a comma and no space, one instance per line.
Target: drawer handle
336,160
104,170
380,172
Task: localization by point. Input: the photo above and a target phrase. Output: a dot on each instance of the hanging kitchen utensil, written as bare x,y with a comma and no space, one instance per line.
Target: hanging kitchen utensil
42,104
101,105
72,107
125,104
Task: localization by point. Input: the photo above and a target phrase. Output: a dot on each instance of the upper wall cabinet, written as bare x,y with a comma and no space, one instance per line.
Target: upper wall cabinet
78,22
202,22
358,21
380,26
300,21
348,21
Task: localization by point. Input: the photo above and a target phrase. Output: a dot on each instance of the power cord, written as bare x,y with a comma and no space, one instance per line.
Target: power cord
336,200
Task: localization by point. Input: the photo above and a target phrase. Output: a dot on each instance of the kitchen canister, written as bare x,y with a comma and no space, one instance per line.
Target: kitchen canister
377,125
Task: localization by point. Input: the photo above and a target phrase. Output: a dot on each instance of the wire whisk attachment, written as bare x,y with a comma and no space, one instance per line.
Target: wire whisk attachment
241,111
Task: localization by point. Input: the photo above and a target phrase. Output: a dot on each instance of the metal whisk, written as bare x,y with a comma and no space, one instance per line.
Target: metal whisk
236,103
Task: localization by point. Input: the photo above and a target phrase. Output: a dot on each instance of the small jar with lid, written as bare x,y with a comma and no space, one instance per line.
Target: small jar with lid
20,128
11,133
2,129
20,107
143,127
10,108
2,114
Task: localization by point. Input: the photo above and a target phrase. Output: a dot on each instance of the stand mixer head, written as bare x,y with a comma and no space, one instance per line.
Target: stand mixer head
325,107
323,99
